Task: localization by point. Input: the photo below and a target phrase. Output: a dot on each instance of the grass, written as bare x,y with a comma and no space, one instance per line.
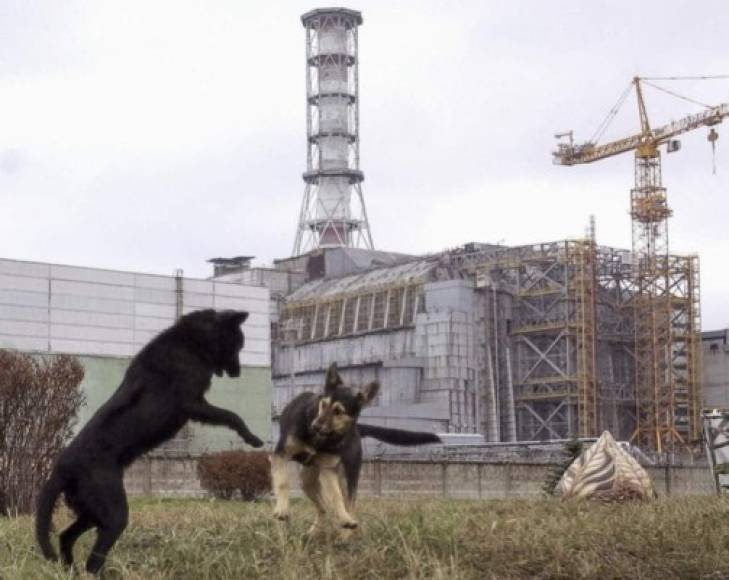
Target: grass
203,539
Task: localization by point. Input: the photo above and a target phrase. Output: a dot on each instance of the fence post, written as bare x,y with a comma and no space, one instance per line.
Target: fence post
479,469
668,476
507,480
378,477
444,467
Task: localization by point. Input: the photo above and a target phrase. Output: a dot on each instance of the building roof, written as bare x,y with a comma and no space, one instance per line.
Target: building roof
412,272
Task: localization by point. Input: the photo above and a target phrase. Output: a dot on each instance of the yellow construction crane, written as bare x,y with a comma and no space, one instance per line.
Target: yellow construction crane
665,287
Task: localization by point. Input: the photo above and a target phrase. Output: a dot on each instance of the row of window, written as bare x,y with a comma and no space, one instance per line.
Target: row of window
392,308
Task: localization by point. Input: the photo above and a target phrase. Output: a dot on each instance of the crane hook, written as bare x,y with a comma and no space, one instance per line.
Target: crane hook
712,137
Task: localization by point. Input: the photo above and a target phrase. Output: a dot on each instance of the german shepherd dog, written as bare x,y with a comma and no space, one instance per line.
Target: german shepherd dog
162,389
321,433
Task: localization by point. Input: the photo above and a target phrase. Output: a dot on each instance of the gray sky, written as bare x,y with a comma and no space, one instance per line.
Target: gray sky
153,135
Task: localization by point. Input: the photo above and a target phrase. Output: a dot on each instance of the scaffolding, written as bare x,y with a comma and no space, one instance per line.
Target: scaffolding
665,292
571,337
583,291
563,333
667,351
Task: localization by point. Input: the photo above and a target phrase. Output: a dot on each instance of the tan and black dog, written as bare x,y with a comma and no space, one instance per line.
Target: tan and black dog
321,432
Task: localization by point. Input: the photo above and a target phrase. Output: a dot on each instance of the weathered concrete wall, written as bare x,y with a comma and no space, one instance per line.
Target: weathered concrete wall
164,476
89,311
394,479
715,359
427,370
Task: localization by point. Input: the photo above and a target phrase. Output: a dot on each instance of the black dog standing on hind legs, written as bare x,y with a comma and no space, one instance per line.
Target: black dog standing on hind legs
162,389
321,432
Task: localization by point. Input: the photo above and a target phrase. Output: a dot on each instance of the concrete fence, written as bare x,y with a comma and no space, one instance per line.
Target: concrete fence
177,476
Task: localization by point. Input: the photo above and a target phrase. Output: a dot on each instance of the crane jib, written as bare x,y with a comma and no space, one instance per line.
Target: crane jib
573,154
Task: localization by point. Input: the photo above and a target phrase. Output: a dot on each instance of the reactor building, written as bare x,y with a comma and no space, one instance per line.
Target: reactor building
526,343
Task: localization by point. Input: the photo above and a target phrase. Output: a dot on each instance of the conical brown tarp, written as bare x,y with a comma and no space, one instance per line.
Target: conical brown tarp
605,472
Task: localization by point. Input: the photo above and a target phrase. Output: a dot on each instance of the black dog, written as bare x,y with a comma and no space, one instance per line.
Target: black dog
163,388
321,432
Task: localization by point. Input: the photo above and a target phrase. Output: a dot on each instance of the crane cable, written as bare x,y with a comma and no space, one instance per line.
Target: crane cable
713,136
674,94
602,127
686,78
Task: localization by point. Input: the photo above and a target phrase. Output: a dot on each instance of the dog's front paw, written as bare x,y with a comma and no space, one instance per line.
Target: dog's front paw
281,515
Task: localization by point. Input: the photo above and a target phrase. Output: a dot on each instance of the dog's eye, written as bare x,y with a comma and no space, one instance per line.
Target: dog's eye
337,411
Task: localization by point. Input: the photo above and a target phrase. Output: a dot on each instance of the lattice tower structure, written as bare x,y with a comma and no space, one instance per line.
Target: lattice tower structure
333,210
667,319
571,335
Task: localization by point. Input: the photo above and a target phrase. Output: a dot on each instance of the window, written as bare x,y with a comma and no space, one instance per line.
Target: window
378,317
321,319
363,316
350,306
394,310
335,317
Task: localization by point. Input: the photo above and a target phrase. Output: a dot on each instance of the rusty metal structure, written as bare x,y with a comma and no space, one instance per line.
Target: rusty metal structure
665,288
568,334
527,343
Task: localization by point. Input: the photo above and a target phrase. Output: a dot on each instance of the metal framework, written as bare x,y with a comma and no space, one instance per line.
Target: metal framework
333,211
569,330
556,329
667,351
665,292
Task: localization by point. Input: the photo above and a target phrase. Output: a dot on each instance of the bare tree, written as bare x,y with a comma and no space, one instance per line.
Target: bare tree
39,403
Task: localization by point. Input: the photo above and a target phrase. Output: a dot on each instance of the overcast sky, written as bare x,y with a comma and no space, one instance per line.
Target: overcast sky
153,135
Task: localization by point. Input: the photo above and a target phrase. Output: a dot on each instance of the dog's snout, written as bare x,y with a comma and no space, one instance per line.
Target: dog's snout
321,427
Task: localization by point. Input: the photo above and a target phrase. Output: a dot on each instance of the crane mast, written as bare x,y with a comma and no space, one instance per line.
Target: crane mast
665,287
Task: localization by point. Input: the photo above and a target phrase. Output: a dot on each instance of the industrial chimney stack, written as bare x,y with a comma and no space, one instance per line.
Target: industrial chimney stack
333,211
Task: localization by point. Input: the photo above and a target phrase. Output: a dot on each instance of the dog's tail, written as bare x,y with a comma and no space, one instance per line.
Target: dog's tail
397,436
44,513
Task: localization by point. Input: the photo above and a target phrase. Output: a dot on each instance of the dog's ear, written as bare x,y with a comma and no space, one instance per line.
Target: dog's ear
368,393
233,317
333,379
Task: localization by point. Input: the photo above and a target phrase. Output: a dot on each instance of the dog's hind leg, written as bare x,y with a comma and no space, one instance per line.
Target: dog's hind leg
107,502
311,487
72,533
280,483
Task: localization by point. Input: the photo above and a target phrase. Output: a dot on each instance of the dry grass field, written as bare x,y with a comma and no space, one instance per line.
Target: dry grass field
202,539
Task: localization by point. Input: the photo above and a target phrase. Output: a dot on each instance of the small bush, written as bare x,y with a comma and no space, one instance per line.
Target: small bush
247,473
572,450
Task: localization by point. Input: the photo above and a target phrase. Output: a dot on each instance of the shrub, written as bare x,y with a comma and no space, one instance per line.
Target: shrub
572,450
39,403
246,472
